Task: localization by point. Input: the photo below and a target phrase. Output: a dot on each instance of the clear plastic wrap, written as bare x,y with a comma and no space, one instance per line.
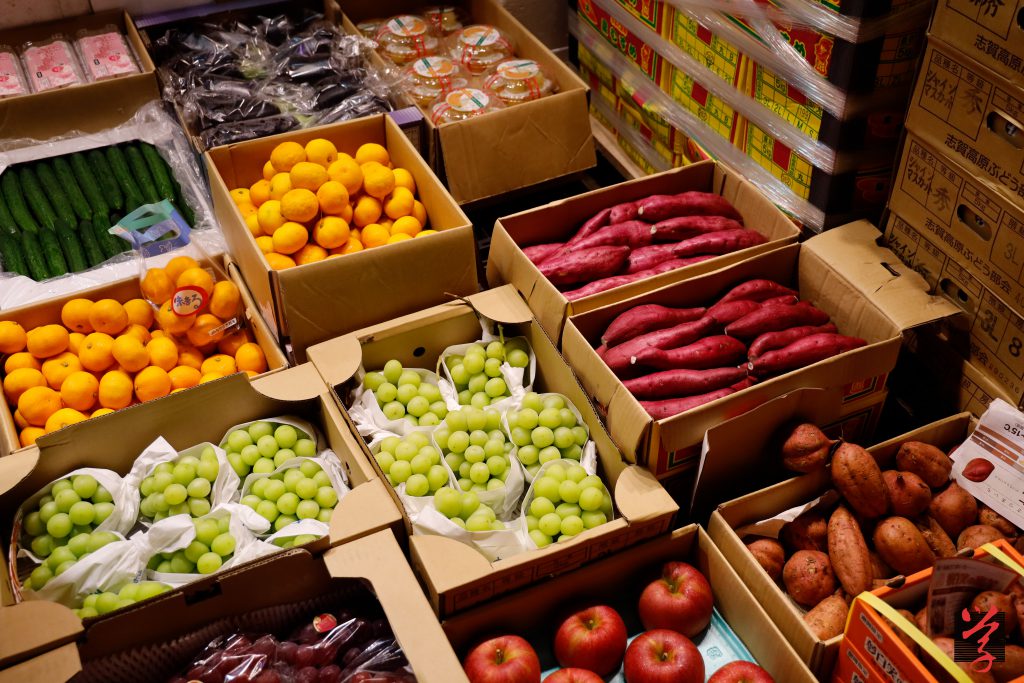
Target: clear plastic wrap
464,104
446,19
480,48
630,134
105,53
520,80
12,78
51,64
405,38
429,78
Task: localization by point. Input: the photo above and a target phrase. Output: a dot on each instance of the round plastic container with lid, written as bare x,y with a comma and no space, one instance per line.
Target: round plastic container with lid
463,104
520,80
430,77
480,48
446,19
407,37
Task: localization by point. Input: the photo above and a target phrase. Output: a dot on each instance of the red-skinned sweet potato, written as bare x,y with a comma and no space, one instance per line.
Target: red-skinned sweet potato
758,290
721,242
632,234
585,265
680,383
926,461
770,555
780,339
776,317
726,312
858,478
806,448
808,577
658,207
620,213
607,283
538,253
848,552
592,224
645,258
785,300
619,358
684,227
718,351
647,318
803,352
661,410
909,496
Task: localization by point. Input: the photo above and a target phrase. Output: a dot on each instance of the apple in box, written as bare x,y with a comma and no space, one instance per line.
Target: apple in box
506,659
663,656
681,600
592,639
573,676
741,672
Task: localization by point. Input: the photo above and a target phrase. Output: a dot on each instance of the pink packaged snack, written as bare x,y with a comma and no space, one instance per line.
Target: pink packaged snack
105,54
51,64
12,82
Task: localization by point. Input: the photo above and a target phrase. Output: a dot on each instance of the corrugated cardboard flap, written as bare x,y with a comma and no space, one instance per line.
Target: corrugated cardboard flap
897,291
29,628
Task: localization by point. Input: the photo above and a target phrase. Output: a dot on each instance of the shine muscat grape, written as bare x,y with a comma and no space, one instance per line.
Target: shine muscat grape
402,394
413,461
566,501
465,509
63,557
475,448
181,487
213,545
546,429
302,492
477,374
103,603
264,446
71,507
295,541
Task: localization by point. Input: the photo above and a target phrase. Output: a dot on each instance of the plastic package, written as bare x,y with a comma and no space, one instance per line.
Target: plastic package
51,64
520,80
446,19
105,54
407,37
463,104
12,79
479,48
368,29
431,77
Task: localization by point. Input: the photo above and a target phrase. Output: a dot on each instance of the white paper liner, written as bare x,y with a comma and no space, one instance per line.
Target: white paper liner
370,420
303,527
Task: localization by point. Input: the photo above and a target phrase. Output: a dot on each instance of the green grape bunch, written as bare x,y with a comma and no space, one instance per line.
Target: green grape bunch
98,604
476,374
301,492
264,446
183,486
63,557
70,507
214,544
465,510
402,394
545,429
566,501
476,449
412,461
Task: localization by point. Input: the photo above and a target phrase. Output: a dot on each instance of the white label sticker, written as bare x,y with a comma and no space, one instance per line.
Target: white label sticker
407,25
467,100
479,36
955,582
519,69
434,67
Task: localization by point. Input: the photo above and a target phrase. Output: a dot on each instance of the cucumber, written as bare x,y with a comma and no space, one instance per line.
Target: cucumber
35,197
90,186
141,174
108,183
8,226
93,252
72,248
55,261
133,198
11,255
110,245
58,198
16,202
159,170
34,259
66,177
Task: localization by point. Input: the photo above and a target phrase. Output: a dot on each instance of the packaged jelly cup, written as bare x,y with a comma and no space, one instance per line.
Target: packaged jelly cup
480,48
446,19
520,80
431,77
463,104
407,37
51,64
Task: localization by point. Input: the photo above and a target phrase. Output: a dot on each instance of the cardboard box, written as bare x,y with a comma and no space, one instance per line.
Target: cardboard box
618,581
819,655
368,286
455,575
990,334
652,64
991,33
973,115
510,149
559,220
40,116
841,271
156,638
205,413
48,312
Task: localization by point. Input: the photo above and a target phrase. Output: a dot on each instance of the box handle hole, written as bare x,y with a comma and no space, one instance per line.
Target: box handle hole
1020,18
418,351
1006,128
204,594
975,222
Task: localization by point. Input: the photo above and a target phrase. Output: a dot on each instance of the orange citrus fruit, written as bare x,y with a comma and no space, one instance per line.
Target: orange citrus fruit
130,353
172,323
140,312
347,172
152,382
321,151
280,185
220,362
139,332
75,315
108,316
279,261
184,377
307,175
232,342
367,211
96,352
299,205
250,357
404,179
37,404
47,340
265,243
75,342
333,197
331,232
399,203
178,265
374,235
371,151
286,155
62,418
21,359
80,390
21,380
259,192
163,353
115,390
29,435
311,253
200,333
289,238
190,356
12,337
157,286
226,299
57,369
196,278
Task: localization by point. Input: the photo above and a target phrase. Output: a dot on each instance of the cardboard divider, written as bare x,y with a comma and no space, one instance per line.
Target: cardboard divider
534,613
819,655
48,312
457,576
370,285
559,221
153,640
514,148
862,287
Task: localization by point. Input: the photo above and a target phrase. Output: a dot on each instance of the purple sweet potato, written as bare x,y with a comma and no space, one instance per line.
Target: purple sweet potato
647,318
726,313
618,357
618,280
538,253
593,224
710,352
718,243
623,212
632,234
660,410
684,227
585,265
680,383
659,207
769,341
816,347
757,290
774,318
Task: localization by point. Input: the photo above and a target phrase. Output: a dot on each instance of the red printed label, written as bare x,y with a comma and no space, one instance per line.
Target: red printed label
189,300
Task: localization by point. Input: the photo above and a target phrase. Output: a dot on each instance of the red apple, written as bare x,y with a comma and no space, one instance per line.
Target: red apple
506,659
681,600
663,656
573,676
741,672
592,639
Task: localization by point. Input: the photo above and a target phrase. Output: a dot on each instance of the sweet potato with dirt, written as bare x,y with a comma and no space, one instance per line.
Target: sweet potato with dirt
769,554
806,448
680,383
759,290
803,352
976,536
684,227
606,283
659,207
808,577
879,569
809,531
939,672
926,461
775,317
661,410
538,253
909,496
848,552
584,265
987,515
827,619
717,351
858,478
620,358
954,509
594,223
902,546
1002,602
780,339
935,536
632,234
1012,666
647,318
725,313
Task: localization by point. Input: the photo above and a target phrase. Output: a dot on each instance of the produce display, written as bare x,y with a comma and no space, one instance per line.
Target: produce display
636,240
656,641
895,516
676,359
59,62
263,446
55,213
106,355
315,203
239,80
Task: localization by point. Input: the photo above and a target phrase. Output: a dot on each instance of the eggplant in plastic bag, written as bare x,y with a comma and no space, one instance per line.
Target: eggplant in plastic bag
240,131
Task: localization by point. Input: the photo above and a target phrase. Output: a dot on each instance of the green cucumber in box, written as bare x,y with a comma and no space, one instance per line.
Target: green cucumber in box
66,176
36,198
72,248
55,192
11,189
